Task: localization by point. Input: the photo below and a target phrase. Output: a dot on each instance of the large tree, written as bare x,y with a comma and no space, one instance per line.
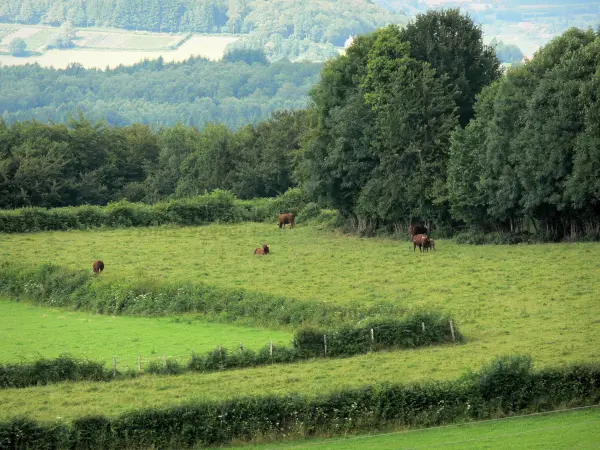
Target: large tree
453,45
377,148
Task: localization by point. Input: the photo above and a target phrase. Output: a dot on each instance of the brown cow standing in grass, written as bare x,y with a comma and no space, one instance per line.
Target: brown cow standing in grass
286,218
98,267
262,251
421,241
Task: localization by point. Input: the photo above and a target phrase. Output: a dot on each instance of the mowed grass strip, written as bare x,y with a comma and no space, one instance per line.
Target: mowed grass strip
29,332
563,430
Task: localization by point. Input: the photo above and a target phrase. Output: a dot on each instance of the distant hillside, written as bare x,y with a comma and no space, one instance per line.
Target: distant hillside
193,92
320,21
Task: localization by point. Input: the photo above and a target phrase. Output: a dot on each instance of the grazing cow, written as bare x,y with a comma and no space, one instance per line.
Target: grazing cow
420,240
417,229
286,218
98,267
262,251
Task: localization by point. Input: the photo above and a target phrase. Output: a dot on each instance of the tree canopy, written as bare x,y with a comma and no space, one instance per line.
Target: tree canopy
377,147
532,153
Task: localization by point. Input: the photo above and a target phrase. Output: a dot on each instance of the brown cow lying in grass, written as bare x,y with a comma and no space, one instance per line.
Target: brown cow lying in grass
98,267
286,218
421,241
262,251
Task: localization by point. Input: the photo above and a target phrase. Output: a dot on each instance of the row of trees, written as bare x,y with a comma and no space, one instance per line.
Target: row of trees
532,153
82,162
318,20
194,92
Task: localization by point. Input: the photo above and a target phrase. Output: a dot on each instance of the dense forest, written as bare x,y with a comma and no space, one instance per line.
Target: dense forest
193,92
411,124
322,21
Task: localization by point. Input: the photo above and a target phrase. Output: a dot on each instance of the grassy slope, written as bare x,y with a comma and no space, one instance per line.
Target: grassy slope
578,429
537,300
29,331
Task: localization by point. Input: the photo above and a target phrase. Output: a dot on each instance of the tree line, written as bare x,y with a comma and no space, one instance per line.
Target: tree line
241,89
82,162
417,124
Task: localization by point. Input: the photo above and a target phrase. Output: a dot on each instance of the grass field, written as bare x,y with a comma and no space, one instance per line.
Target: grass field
29,332
539,300
101,48
564,430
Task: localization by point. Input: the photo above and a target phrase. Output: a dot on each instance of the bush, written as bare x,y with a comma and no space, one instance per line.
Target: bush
367,408
46,371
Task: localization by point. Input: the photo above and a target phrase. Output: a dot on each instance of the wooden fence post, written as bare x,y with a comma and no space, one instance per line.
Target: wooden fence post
165,360
271,349
325,343
372,339
242,349
452,331
139,364
423,327
221,353
114,367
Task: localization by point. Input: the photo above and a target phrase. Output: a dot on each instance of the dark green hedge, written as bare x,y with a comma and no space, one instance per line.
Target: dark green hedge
508,238
46,371
218,206
307,343
52,285
506,387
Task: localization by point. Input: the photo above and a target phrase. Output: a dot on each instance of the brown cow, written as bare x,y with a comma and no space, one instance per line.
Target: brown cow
262,251
429,244
420,240
98,267
286,218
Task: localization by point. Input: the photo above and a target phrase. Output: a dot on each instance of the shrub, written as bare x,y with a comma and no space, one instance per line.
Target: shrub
218,206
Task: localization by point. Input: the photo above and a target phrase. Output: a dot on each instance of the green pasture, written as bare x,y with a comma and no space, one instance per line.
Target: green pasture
565,430
539,300
29,332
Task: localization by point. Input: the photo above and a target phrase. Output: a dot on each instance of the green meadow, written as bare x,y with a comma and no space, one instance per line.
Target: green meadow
539,300
564,430
30,332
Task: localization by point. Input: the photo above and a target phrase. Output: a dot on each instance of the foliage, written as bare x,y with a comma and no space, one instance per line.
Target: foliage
321,21
367,408
17,47
194,92
218,206
527,161
376,149
46,371
54,285
84,162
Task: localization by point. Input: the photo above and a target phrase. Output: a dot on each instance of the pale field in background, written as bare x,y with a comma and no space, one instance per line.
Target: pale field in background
111,48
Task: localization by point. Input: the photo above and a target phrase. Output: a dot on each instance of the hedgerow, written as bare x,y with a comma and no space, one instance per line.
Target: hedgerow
415,331
507,386
52,285
218,206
